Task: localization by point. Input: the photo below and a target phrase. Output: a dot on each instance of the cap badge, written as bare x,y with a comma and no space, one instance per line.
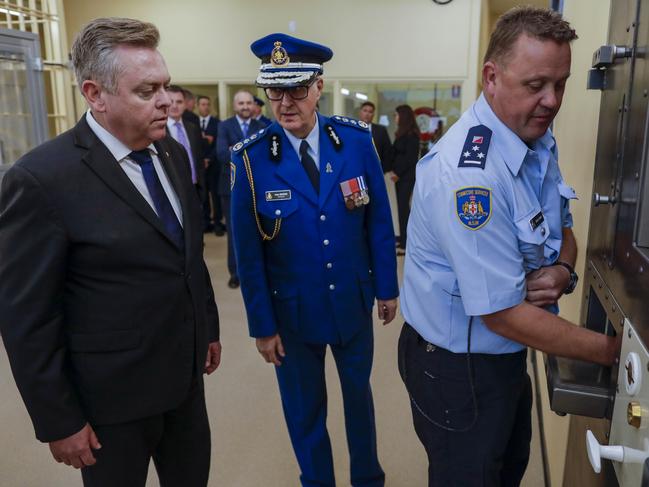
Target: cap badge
279,56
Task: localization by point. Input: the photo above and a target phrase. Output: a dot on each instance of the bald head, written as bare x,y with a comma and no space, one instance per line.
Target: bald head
243,103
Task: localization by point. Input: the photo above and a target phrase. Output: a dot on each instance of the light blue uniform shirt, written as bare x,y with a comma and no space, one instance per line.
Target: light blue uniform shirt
313,139
453,272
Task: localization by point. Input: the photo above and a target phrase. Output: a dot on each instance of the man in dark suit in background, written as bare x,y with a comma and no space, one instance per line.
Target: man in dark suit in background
379,135
190,101
189,136
231,131
106,307
257,112
209,128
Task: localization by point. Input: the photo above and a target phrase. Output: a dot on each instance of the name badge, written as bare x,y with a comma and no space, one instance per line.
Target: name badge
278,195
537,220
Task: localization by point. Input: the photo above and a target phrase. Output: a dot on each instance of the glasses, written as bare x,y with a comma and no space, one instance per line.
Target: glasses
295,93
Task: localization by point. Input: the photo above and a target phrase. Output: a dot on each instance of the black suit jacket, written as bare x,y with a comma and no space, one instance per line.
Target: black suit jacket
196,144
406,155
383,146
229,134
103,318
211,129
189,116
265,120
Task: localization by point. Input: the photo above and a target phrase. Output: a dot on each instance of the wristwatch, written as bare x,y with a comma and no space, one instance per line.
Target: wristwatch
573,277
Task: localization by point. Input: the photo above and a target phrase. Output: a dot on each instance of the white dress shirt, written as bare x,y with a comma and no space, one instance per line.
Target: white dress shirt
133,170
204,122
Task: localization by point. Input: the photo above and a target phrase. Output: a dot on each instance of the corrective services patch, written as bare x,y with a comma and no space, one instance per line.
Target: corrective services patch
233,175
473,206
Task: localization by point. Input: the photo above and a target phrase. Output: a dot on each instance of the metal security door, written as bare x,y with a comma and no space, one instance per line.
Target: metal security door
23,118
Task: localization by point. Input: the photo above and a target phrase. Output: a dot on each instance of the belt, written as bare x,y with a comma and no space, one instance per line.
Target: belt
422,342
431,347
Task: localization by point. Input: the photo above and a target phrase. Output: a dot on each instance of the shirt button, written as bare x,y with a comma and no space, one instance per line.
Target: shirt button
326,242
329,265
323,217
278,212
275,293
332,287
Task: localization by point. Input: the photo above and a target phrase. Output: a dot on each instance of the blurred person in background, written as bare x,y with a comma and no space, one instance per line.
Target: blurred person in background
404,161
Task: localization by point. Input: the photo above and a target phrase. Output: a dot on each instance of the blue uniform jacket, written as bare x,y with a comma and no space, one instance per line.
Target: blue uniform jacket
317,279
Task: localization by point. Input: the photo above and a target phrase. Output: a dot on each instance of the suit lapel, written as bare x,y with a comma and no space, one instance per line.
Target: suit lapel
255,126
171,169
103,164
330,160
291,171
237,129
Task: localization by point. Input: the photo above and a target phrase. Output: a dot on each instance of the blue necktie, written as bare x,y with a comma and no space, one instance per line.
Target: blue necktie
160,201
309,166
244,129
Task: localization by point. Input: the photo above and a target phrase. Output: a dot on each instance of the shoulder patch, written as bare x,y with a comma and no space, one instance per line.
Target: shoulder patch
476,147
473,206
351,122
248,141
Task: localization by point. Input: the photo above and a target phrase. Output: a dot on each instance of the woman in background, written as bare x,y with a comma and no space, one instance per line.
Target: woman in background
404,161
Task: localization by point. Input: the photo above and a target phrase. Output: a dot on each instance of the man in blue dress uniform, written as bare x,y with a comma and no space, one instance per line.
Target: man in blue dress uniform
490,251
315,246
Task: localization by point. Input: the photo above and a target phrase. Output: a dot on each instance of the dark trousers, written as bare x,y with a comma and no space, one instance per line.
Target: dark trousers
177,440
212,175
232,264
404,193
495,450
303,390
203,196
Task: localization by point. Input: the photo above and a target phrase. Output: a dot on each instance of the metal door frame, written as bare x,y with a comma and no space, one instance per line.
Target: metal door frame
27,45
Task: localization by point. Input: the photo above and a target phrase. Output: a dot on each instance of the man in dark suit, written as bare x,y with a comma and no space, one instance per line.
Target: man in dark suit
379,135
209,128
190,102
189,136
231,131
106,307
257,112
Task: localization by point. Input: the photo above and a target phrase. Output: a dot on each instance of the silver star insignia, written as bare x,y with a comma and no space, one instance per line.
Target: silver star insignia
480,156
467,154
475,148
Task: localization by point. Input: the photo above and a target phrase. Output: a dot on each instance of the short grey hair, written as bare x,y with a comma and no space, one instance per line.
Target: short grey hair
93,49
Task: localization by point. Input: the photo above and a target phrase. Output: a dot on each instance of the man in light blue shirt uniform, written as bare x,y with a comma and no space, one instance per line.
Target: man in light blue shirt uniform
490,251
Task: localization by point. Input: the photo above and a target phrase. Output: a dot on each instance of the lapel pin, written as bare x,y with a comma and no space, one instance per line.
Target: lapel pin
329,169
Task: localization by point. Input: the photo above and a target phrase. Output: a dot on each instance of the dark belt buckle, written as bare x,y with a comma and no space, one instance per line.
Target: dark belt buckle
430,347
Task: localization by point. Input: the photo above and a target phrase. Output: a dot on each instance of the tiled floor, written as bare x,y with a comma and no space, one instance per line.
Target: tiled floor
250,444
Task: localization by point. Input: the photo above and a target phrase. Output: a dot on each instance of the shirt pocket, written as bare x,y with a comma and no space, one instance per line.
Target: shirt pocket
531,239
270,211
